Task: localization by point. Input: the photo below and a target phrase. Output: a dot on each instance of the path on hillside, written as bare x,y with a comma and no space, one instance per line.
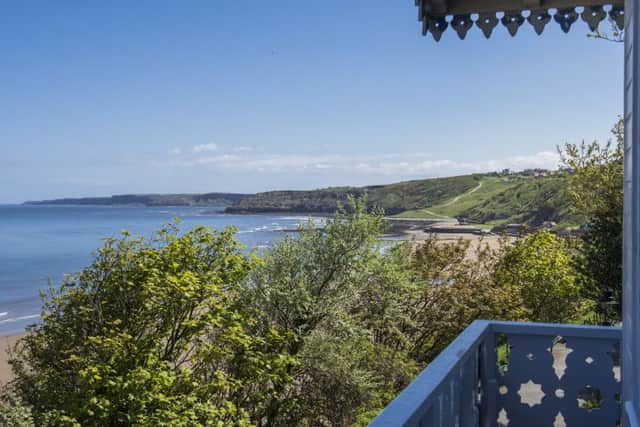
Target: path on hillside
435,214
452,201
455,199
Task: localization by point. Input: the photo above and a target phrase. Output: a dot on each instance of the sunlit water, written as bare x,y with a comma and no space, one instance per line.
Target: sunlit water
39,244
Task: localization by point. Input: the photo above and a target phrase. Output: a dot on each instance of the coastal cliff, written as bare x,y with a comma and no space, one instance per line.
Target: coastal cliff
207,199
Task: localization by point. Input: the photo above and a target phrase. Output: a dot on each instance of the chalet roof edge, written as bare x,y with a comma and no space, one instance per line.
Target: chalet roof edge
438,15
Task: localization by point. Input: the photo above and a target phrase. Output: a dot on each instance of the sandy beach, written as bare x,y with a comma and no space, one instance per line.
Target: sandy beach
6,343
491,240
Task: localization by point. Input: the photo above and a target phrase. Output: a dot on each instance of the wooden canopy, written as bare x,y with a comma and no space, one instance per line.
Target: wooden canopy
437,15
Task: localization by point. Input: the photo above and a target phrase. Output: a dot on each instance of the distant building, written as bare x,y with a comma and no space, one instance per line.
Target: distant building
537,172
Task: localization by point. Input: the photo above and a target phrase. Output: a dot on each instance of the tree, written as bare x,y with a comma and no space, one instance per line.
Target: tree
531,279
149,335
540,268
595,190
456,285
323,330
13,413
334,294
187,330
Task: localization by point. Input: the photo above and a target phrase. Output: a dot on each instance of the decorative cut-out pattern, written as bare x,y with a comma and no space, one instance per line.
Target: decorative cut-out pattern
502,353
461,23
559,421
593,16
437,26
589,398
615,357
511,374
617,14
512,20
545,381
531,394
566,18
538,20
560,351
503,419
487,22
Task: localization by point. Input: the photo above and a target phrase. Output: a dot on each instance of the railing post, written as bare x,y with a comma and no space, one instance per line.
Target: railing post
488,381
469,413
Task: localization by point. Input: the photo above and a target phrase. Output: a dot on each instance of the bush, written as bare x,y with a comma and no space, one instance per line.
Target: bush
540,267
148,335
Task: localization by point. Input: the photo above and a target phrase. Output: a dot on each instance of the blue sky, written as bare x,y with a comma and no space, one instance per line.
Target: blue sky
98,98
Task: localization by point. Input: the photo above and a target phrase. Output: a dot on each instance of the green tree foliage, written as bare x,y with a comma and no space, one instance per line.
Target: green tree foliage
540,268
148,336
533,279
323,330
456,285
13,413
595,190
336,296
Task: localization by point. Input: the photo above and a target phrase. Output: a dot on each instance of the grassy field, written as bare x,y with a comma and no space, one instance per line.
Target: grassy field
500,200
488,187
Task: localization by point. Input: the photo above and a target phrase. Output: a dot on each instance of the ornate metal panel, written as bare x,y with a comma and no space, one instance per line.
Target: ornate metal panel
461,15
498,374
553,379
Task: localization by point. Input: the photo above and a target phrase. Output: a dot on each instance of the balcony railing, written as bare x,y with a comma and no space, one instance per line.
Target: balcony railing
518,375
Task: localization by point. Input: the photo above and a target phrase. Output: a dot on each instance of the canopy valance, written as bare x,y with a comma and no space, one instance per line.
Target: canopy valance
438,15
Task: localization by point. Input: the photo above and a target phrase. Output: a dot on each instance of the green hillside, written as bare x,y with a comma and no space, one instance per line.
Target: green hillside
393,198
530,201
480,199
508,199
487,187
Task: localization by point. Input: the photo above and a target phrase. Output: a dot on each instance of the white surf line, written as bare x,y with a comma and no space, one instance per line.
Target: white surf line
16,319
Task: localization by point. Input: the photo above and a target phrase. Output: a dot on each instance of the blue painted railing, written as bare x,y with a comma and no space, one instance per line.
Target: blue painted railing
518,375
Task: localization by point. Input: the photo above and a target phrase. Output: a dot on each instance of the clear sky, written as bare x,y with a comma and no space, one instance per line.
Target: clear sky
98,98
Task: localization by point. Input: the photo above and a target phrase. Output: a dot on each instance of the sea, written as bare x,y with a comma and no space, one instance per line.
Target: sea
40,244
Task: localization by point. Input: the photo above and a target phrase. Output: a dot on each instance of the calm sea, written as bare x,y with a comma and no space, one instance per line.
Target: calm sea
39,244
